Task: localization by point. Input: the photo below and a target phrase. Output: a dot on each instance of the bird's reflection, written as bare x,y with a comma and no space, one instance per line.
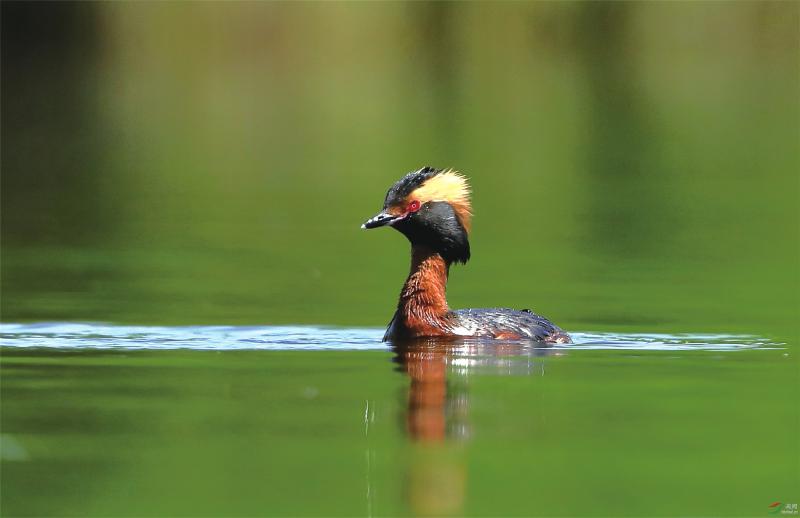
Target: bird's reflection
436,416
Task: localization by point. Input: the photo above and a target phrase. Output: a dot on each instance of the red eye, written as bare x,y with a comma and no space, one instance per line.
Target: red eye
413,206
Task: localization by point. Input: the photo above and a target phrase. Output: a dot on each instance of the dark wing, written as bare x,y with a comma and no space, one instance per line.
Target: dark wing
501,322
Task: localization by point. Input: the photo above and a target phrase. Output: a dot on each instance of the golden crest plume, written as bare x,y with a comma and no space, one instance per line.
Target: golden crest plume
452,187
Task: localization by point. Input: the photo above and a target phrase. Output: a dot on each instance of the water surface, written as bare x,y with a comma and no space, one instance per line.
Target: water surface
86,336
221,420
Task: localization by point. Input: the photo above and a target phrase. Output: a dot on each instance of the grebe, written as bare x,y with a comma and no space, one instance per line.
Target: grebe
431,207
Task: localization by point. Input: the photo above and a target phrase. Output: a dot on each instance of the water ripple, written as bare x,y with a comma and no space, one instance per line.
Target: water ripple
106,336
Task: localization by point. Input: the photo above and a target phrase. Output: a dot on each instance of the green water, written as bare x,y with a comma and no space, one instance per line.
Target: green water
195,433
635,171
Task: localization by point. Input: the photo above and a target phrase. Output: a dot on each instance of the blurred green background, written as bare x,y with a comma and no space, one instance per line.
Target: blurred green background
634,165
635,169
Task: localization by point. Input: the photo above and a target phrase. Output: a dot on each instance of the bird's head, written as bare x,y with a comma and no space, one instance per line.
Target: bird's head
431,207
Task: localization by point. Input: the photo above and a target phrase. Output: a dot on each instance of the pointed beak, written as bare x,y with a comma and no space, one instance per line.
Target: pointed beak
379,220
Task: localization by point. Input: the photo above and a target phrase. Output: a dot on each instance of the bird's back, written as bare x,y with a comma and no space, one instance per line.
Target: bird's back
507,323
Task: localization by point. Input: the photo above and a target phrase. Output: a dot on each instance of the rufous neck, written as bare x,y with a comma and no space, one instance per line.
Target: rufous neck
424,292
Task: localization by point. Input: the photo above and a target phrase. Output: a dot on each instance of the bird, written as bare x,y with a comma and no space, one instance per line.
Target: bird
433,209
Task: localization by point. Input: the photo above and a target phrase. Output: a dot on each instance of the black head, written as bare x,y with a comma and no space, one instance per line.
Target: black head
400,191
431,208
